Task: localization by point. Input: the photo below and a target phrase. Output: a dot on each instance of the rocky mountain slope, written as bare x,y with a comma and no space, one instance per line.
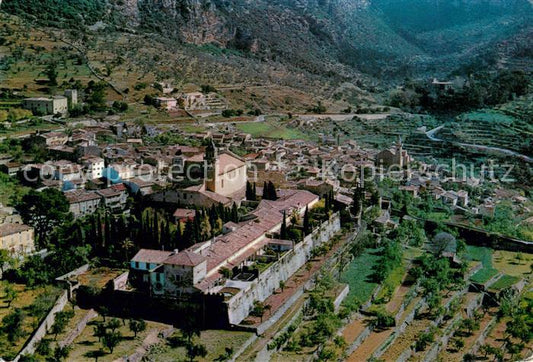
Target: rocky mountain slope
379,37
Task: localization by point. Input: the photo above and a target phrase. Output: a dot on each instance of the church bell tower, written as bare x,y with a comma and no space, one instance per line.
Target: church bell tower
211,166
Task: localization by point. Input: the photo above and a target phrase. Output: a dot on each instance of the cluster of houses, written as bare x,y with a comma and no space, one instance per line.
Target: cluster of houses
102,164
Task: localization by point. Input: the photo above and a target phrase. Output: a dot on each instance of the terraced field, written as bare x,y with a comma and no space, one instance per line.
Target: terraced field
489,128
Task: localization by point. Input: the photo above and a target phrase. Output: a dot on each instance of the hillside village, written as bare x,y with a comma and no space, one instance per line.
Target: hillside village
221,222
146,216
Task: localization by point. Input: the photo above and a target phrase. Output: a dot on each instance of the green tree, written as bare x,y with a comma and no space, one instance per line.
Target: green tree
195,350
283,230
99,330
307,221
113,324
12,325
45,211
61,353
51,73
250,191
60,323
97,97
137,325
111,340
10,294
258,310
458,343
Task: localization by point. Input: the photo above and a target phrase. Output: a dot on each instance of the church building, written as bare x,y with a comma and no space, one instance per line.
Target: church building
395,156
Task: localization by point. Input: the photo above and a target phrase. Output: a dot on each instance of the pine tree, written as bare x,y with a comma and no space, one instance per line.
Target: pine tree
283,230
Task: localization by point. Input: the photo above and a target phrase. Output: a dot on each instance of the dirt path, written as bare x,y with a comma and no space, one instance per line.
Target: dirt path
67,341
395,303
353,330
151,339
365,350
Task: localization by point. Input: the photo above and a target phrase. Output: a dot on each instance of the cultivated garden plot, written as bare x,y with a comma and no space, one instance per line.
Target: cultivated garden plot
21,312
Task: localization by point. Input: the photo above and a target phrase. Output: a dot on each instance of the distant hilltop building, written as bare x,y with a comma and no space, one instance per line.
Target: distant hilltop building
442,85
52,105
44,106
395,156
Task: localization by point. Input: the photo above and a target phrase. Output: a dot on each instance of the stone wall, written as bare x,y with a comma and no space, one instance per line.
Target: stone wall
260,289
70,285
46,324
340,298
121,281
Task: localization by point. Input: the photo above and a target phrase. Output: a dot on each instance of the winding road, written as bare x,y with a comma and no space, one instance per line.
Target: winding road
431,135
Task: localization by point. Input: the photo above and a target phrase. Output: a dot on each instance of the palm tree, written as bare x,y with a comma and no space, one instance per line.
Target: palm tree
127,245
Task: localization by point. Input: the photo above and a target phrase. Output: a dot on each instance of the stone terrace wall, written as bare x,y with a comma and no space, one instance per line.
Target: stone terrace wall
260,289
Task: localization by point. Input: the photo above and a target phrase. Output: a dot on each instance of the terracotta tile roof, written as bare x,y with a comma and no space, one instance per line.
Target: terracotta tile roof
151,256
228,163
80,196
9,229
269,215
183,213
186,258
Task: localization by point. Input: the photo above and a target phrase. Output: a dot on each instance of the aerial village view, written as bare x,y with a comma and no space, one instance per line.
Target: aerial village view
224,188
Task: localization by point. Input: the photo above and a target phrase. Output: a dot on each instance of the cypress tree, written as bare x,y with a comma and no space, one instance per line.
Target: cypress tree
254,192
188,234
249,191
93,234
357,204
272,192
283,230
178,238
196,232
307,224
266,190
234,213
100,231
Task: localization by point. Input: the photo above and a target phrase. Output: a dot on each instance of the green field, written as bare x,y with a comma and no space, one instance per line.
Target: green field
271,129
483,275
357,276
484,255
504,282
487,116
